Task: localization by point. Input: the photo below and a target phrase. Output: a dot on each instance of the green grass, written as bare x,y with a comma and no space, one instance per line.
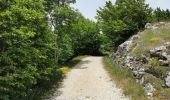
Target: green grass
160,92
151,39
125,80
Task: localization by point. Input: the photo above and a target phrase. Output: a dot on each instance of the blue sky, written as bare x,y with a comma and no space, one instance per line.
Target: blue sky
88,7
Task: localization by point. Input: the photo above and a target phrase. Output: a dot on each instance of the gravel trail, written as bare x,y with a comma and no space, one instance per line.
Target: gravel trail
88,81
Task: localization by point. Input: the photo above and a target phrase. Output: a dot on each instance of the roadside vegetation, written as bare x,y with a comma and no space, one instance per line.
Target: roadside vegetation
125,80
124,19
46,89
36,37
148,40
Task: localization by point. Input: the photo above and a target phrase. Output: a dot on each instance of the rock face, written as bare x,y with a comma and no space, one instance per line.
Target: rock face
138,65
127,46
124,59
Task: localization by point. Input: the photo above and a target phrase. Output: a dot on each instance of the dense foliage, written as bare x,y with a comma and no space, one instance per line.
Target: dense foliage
121,20
36,37
26,49
161,15
75,34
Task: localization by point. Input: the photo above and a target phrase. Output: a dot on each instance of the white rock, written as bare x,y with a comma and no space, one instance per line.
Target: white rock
167,80
149,89
158,49
148,26
167,44
163,62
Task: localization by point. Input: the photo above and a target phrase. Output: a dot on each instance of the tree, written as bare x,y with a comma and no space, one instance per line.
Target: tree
27,47
121,20
161,15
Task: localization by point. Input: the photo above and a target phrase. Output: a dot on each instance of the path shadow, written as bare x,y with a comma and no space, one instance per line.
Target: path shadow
80,64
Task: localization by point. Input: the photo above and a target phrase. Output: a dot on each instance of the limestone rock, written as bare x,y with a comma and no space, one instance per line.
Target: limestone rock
148,26
167,44
139,73
128,60
163,62
149,89
159,52
167,80
125,47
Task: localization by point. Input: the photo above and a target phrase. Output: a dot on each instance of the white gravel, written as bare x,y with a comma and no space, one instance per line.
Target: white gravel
89,81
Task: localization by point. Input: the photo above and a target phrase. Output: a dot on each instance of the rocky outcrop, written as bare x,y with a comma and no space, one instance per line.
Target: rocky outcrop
138,65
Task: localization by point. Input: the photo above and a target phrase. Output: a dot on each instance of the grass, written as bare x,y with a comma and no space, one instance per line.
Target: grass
160,92
151,39
49,87
125,80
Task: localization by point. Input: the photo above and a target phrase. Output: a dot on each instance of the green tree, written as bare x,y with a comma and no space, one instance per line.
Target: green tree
161,15
121,20
27,47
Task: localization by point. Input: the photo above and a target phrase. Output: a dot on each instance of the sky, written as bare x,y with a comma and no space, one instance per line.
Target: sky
88,7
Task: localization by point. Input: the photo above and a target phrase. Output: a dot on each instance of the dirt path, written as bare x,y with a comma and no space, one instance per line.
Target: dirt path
89,81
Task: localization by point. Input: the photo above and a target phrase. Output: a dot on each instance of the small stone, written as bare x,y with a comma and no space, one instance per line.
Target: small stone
163,62
148,26
135,37
139,73
167,80
167,44
149,89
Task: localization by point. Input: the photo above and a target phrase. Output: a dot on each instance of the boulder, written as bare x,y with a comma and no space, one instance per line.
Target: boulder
159,52
135,37
167,79
163,62
148,26
139,73
167,44
149,89
125,47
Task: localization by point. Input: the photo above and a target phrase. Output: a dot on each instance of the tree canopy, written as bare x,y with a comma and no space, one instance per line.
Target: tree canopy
120,20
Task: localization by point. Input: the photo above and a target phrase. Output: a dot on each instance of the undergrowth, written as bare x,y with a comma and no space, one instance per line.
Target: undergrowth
47,88
125,80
